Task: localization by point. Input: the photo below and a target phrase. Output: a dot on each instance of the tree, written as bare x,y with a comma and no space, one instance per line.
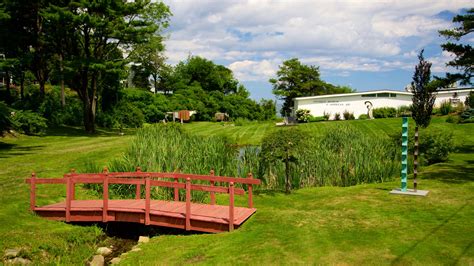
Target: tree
98,29
149,61
463,52
283,145
210,76
423,100
295,79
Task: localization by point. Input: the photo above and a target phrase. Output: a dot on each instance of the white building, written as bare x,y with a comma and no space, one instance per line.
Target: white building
359,102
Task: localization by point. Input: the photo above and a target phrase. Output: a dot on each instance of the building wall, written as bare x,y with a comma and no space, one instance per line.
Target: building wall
356,103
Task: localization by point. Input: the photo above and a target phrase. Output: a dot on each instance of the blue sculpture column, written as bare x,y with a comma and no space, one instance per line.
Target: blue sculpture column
404,153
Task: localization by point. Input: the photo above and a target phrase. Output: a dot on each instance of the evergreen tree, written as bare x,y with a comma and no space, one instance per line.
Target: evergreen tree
463,52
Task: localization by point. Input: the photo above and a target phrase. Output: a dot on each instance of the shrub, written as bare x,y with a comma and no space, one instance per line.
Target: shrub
348,115
326,116
363,117
316,118
436,146
384,112
460,108
126,114
303,115
467,116
337,116
445,108
453,119
404,111
470,100
29,123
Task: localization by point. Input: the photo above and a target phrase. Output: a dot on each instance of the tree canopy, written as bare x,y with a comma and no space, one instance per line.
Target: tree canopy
295,79
463,52
90,38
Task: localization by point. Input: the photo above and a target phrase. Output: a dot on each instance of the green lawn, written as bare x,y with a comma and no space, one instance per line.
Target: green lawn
329,225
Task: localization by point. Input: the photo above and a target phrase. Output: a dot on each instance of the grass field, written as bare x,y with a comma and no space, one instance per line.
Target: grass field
329,225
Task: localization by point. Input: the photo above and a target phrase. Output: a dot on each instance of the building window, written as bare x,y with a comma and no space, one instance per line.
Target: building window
382,94
369,95
393,95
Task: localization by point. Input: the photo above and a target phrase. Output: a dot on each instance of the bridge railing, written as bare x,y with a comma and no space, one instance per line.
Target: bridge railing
149,179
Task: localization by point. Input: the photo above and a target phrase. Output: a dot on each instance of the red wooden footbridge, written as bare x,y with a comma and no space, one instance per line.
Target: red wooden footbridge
185,214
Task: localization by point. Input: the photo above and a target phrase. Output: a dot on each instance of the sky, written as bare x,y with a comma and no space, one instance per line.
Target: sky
367,45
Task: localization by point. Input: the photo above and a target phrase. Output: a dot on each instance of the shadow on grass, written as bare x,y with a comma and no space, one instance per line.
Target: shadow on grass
8,150
67,131
133,231
399,259
456,174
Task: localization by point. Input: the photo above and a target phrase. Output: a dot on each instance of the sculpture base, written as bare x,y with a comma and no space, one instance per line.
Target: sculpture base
410,192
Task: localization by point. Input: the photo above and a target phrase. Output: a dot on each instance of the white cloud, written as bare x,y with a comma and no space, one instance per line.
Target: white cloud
252,37
249,70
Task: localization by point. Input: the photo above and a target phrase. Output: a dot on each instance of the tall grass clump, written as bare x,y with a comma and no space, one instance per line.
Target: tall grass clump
343,156
168,148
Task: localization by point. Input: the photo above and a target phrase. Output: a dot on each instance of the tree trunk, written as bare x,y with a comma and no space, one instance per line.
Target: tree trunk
22,85
42,90
7,77
415,160
61,70
89,115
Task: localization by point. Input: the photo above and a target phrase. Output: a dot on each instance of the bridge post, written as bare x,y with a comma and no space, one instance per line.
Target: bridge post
176,190
147,200
231,206
105,188
213,195
250,191
188,204
73,188
138,186
68,198
33,192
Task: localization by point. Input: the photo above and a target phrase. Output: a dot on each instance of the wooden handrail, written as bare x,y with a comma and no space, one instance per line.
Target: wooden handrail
183,176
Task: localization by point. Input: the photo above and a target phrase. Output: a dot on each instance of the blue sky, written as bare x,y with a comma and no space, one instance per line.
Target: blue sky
367,45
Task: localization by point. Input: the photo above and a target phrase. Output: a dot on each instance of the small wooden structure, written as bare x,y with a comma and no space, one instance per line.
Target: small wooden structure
182,115
219,117
177,214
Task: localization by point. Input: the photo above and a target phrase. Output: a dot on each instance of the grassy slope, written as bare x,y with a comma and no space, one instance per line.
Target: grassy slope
49,156
356,225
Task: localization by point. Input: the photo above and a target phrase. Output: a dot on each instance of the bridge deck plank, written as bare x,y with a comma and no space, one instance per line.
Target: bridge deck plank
174,209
